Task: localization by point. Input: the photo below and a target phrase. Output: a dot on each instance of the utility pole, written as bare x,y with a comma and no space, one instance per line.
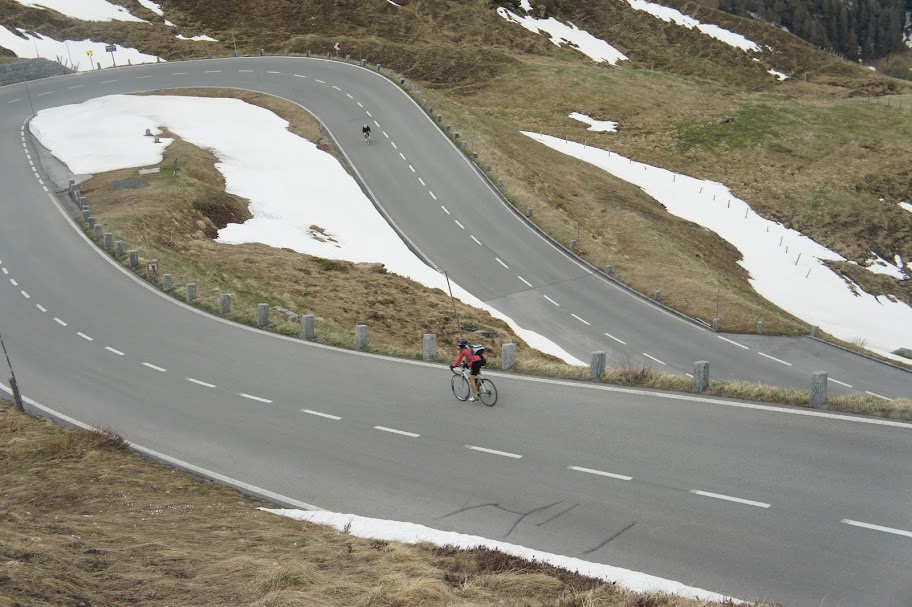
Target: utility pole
453,301
17,397
29,93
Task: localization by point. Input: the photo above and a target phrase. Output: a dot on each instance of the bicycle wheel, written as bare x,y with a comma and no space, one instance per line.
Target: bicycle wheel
487,392
460,386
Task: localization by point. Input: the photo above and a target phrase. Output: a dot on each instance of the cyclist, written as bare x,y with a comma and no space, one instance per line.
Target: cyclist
474,361
366,131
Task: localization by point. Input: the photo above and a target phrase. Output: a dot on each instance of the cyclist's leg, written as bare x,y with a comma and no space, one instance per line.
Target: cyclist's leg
473,377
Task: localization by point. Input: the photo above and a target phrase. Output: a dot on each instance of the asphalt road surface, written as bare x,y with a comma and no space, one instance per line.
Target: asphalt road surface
773,503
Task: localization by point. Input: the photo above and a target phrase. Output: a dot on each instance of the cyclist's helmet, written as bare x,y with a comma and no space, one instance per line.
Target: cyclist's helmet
463,342
366,127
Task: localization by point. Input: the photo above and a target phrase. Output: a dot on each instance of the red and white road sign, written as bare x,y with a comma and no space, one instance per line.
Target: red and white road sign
337,46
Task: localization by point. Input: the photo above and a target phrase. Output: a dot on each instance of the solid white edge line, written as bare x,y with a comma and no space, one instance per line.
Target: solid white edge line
615,338
585,322
84,336
493,451
256,398
774,358
151,366
40,307
654,358
875,394
527,283
876,527
472,236
600,473
729,498
394,431
173,461
502,263
112,350
317,413
733,342
551,300
200,383
59,322
841,383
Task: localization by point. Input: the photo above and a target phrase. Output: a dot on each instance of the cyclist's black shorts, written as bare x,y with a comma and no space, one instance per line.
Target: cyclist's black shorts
476,368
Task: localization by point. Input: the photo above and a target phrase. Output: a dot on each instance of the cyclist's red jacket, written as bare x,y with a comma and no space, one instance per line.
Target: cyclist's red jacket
466,354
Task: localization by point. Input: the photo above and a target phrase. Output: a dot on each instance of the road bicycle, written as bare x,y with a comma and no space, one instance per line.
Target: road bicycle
367,138
487,393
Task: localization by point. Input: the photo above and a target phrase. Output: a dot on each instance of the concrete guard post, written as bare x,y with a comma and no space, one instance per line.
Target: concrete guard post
191,291
700,376
134,258
597,365
91,221
108,241
99,231
508,356
118,249
360,337
814,330
225,303
716,324
167,283
429,346
818,389
307,327
759,327
262,314
85,216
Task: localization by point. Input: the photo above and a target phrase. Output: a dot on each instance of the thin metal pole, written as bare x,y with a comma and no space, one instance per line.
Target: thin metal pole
17,397
453,301
234,43
29,93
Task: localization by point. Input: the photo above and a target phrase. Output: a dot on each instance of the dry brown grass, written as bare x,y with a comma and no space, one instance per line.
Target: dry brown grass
101,526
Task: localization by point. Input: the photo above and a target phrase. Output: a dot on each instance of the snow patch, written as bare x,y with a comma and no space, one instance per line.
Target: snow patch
713,31
906,205
85,10
878,265
290,183
411,533
596,49
152,6
778,75
196,38
785,267
71,53
599,126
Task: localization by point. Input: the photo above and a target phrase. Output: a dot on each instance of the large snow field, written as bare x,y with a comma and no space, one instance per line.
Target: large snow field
71,53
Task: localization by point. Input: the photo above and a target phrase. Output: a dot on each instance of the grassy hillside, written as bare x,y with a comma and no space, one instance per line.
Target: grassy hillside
815,152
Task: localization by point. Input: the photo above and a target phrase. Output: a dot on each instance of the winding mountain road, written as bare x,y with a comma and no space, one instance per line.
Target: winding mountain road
797,506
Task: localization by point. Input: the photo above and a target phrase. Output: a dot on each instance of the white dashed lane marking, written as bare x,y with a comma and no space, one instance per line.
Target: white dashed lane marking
320,81
109,81
256,398
369,114
421,181
40,307
299,76
729,498
44,93
245,71
733,342
413,168
502,263
5,271
615,338
59,322
14,100
268,72
394,431
585,322
551,300
376,124
892,530
200,383
318,414
113,351
774,358
141,77
14,283
78,86
349,96
653,358
172,73
84,336
836,381
600,473
156,368
393,143
476,240
213,71
459,224
493,451
878,396
25,295
385,135
337,88
434,197
402,155
359,104
526,282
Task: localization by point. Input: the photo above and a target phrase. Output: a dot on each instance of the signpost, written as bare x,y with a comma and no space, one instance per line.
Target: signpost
89,53
110,49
